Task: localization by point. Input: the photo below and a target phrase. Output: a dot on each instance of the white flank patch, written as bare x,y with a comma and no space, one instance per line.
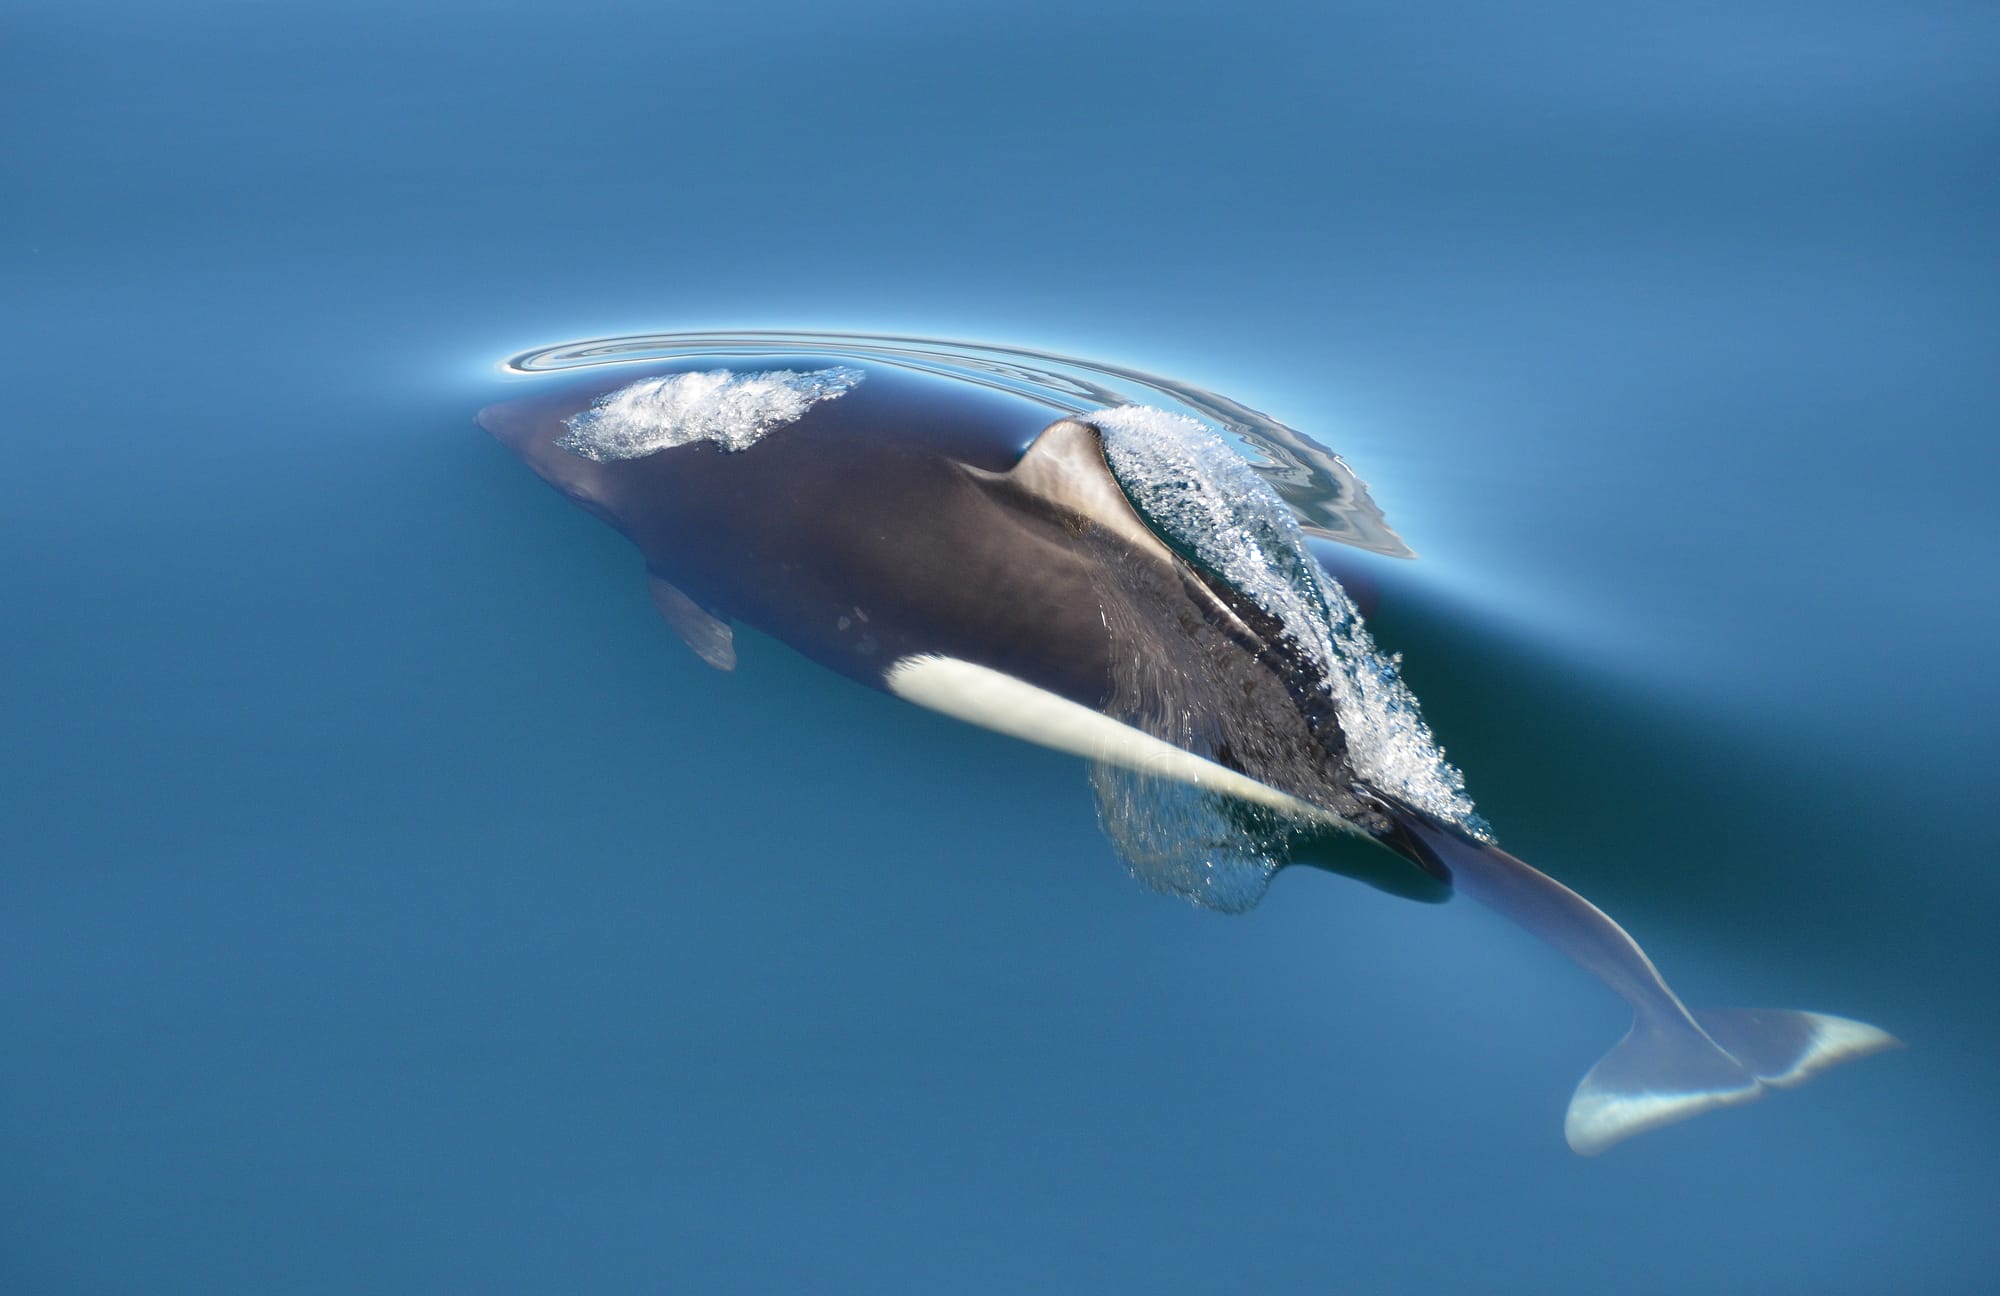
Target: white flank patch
995,700
732,410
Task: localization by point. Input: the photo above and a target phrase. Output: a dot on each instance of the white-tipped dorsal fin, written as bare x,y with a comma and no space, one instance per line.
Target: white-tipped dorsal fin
708,634
1065,465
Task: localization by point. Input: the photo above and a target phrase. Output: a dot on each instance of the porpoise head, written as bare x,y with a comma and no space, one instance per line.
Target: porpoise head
533,427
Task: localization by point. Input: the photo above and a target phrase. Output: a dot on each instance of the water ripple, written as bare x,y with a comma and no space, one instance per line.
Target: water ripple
1316,483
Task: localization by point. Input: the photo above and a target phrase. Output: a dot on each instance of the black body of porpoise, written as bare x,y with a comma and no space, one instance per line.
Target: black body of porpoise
955,547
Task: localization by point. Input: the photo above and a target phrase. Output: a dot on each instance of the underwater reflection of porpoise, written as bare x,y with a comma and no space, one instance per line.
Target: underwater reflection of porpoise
956,547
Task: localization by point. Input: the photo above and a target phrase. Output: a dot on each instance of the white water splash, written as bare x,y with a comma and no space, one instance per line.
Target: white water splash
1185,841
732,410
1195,490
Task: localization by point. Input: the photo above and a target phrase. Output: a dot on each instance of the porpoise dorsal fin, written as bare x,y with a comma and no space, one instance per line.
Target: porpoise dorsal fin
708,634
1065,465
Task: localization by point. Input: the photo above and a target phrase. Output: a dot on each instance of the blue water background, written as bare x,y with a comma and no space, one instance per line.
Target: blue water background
389,903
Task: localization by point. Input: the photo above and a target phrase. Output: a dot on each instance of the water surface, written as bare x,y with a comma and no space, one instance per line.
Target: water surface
388,901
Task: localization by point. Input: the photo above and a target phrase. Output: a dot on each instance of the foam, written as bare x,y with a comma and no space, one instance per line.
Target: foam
729,409
1197,492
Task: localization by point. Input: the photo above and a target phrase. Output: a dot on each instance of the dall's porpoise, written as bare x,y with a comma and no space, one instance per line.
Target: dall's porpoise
1110,586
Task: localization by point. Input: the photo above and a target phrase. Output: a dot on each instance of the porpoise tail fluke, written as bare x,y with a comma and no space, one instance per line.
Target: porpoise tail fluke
1673,1063
1667,1069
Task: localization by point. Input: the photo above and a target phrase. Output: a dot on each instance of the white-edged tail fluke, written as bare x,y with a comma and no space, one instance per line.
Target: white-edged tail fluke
1785,1048
1673,1063
1668,1068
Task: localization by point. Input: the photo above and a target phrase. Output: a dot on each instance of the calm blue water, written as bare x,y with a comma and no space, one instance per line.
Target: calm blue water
388,902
